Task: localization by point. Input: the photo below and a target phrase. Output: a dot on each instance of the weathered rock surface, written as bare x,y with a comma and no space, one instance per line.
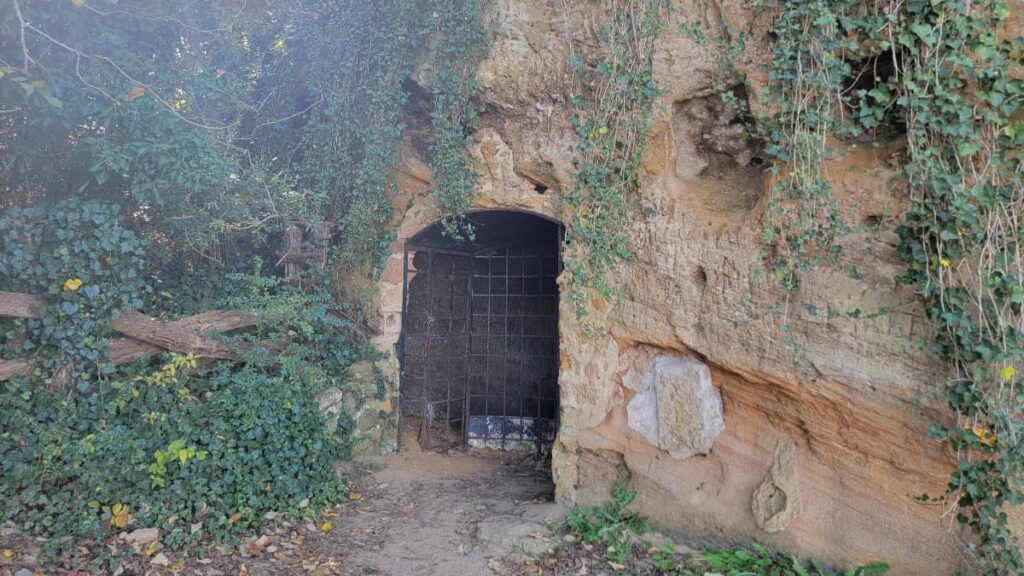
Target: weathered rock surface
776,502
813,440
675,407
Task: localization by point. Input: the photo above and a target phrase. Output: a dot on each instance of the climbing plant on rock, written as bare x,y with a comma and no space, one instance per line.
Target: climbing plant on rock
945,70
458,44
963,240
613,92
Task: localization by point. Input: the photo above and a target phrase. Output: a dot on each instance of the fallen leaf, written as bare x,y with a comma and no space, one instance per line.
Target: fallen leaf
160,560
326,527
152,548
8,554
235,517
353,495
141,536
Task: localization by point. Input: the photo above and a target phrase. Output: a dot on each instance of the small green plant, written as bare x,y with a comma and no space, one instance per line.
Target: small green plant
608,524
176,452
612,526
760,561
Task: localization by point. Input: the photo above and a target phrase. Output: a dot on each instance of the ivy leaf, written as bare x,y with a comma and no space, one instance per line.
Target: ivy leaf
69,308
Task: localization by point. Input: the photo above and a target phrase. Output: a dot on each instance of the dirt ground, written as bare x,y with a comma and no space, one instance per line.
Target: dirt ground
419,513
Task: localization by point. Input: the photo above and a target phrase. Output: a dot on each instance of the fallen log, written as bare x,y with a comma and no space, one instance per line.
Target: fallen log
144,336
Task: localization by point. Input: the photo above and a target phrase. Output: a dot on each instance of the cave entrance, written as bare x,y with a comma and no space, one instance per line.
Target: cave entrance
479,342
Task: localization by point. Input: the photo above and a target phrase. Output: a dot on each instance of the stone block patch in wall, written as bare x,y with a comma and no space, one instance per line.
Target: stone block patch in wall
676,407
776,502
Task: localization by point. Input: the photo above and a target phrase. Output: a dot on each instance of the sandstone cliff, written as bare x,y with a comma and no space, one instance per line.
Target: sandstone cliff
813,440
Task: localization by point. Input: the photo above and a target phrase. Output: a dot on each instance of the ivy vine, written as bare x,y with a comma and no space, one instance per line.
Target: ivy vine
459,44
613,92
89,269
941,68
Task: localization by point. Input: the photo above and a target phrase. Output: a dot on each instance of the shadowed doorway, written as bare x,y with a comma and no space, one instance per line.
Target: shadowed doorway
479,344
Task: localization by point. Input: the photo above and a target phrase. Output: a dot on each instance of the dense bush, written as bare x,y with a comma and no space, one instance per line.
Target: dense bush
86,264
196,450
193,455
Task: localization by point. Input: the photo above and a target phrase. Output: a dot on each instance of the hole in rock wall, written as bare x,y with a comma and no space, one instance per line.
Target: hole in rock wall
868,93
479,343
713,145
700,278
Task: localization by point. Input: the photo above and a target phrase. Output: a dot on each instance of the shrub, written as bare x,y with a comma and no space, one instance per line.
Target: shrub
194,456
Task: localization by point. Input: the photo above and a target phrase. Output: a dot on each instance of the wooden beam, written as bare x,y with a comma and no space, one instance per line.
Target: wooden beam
17,305
144,336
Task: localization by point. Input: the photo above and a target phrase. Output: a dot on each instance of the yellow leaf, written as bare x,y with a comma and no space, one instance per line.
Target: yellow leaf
152,548
944,262
1007,373
8,554
326,527
353,495
984,435
72,284
78,2
120,516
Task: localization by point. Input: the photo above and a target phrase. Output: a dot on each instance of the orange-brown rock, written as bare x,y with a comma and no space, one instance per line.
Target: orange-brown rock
824,398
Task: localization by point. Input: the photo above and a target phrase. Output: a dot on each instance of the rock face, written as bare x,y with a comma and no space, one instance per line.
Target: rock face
735,412
675,407
776,502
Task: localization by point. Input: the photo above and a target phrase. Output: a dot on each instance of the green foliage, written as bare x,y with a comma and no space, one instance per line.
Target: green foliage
612,98
810,61
458,46
350,143
134,106
962,241
609,524
617,530
195,452
764,562
87,266
184,457
216,128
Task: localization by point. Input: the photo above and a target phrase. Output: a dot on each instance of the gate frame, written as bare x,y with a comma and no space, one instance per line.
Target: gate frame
409,245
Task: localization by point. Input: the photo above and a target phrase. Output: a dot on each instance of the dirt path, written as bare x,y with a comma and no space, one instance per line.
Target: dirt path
431,514
419,514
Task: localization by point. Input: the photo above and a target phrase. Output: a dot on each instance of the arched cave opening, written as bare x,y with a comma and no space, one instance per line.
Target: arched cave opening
479,342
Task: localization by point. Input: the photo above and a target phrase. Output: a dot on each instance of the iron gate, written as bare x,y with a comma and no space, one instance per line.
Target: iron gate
479,346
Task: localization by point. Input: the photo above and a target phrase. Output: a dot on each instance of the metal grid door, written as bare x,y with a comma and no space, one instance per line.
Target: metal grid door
435,344
479,342
512,398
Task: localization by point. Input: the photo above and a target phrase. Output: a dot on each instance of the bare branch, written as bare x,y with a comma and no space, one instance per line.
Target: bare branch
21,36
